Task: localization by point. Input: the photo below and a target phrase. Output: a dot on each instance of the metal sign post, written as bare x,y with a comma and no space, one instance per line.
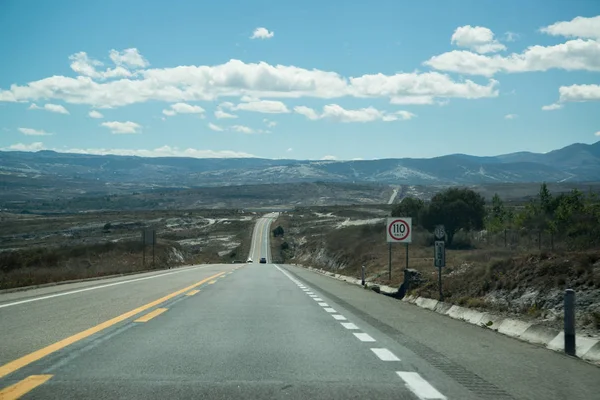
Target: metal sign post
399,230
148,237
439,260
390,262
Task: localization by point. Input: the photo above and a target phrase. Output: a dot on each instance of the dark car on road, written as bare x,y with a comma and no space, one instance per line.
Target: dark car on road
263,260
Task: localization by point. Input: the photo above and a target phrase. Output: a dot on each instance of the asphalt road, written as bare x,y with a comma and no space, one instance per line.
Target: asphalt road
258,331
260,238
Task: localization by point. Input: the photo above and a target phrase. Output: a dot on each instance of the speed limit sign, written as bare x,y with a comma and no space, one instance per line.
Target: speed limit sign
399,230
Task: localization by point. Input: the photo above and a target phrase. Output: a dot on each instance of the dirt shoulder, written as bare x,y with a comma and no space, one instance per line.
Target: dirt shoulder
519,280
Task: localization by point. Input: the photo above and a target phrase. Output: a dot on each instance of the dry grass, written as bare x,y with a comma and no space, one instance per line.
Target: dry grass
42,249
471,274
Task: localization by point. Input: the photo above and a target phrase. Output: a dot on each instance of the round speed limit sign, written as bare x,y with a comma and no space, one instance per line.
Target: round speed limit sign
399,230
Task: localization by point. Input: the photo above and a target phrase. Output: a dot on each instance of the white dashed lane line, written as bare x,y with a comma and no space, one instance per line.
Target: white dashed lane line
419,386
364,337
385,355
412,380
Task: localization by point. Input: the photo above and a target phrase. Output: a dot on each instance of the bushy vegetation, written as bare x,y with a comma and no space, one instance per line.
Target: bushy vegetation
573,217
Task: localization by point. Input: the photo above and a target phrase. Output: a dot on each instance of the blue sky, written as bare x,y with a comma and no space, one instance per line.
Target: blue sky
342,80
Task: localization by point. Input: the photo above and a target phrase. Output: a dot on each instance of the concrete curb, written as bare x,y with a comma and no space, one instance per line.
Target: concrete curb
588,348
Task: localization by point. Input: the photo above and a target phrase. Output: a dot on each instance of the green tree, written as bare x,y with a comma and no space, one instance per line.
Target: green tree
455,208
497,217
278,231
539,212
409,207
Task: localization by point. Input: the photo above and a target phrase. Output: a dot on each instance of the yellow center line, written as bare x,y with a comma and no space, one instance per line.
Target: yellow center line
192,292
38,354
150,315
25,386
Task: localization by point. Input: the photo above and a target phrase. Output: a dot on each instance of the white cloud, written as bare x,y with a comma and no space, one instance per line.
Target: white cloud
234,78
55,108
220,114
216,128
405,115
36,146
262,106
122,127
164,151
580,27
551,107
432,84
85,66
329,158
129,57
572,55
510,116
416,100
289,150
183,108
338,113
307,112
262,33
477,38
511,36
242,129
270,124
597,133
95,114
578,93
34,132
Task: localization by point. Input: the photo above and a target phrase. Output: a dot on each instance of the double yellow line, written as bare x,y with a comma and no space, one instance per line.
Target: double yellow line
35,380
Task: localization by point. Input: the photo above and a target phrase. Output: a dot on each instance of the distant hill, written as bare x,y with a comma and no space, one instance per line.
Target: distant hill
60,174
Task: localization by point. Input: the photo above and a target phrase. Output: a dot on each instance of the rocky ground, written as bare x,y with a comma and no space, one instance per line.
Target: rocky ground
519,277
37,249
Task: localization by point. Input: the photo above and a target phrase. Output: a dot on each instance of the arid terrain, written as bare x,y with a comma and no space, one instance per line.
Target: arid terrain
36,249
512,273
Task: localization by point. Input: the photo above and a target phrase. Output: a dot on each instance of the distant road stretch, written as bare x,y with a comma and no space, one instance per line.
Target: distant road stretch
393,196
260,331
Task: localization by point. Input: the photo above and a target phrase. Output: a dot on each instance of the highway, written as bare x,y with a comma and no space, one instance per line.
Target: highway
260,331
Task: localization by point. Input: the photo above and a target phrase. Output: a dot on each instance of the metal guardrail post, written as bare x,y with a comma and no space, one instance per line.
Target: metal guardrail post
570,322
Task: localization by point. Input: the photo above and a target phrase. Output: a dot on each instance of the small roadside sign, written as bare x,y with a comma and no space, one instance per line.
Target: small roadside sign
399,230
148,236
439,232
440,254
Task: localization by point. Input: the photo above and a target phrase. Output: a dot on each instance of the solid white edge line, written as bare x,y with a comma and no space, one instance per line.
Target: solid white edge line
338,317
50,296
364,337
349,325
330,310
419,386
385,354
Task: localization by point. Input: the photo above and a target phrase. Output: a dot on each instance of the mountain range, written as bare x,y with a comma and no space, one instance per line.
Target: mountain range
96,174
